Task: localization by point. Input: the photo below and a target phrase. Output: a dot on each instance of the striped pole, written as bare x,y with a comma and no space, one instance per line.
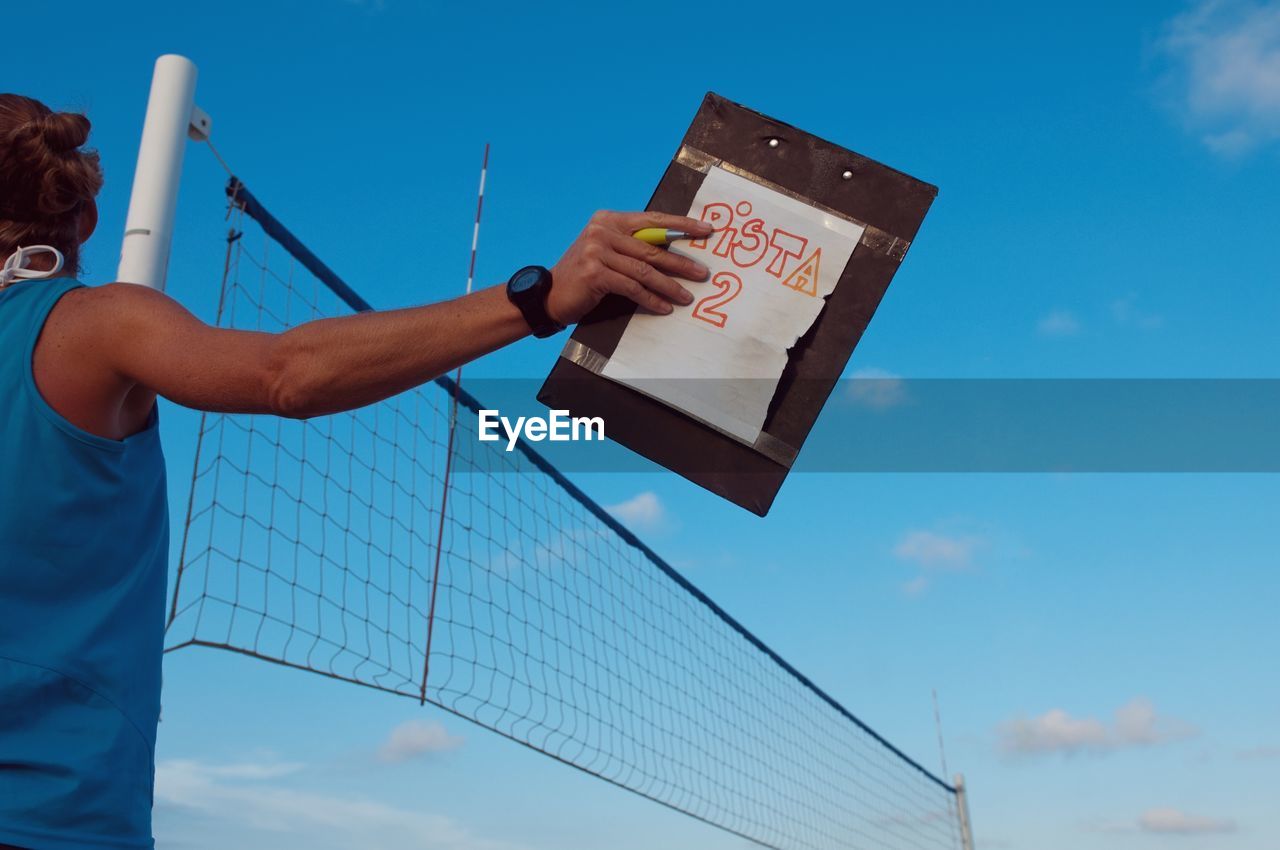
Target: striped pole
448,457
475,234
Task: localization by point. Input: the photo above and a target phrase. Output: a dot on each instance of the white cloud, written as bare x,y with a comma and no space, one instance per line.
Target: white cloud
1053,731
1259,753
934,552
643,511
937,551
1125,311
200,801
1173,821
1136,724
877,389
1225,72
1058,323
248,770
415,738
916,586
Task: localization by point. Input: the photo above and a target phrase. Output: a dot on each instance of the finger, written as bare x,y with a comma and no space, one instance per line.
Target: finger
660,259
630,288
631,222
649,277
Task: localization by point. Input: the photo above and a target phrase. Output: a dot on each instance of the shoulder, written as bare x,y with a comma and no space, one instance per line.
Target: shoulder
116,307
108,322
118,296
113,296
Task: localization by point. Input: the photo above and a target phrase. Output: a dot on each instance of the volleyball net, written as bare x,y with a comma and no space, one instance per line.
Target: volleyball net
390,548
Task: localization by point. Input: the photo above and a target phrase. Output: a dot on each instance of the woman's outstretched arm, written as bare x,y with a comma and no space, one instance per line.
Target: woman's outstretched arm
107,343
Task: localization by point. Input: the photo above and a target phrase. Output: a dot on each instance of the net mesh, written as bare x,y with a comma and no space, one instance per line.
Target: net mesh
315,544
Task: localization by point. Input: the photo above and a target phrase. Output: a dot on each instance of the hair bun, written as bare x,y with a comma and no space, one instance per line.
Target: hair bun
47,177
64,131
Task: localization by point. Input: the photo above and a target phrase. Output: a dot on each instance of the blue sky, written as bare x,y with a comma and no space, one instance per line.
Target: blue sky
1104,647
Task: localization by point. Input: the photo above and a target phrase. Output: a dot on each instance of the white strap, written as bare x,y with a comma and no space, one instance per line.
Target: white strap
15,268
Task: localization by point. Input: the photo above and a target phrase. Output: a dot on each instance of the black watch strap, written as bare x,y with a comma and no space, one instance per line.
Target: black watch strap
528,290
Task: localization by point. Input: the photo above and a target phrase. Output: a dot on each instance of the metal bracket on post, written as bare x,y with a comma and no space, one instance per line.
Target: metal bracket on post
962,806
172,117
201,125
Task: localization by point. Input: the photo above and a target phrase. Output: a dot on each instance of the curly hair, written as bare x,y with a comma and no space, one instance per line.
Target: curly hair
46,176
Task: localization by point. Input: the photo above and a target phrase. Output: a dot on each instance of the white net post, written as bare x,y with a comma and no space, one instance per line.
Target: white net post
171,116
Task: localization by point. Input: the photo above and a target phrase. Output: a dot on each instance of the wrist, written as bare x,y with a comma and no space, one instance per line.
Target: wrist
555,303
529,290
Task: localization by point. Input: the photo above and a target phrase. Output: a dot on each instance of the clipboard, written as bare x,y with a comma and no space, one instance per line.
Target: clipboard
889,204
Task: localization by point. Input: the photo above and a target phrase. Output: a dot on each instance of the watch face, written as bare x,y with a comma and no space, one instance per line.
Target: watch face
525,279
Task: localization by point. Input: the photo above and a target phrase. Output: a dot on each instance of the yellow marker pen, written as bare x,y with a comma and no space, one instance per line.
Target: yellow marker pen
662,236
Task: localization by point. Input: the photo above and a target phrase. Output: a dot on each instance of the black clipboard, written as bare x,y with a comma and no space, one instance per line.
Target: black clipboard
891,205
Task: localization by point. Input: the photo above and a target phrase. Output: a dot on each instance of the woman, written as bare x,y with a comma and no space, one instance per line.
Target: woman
83,517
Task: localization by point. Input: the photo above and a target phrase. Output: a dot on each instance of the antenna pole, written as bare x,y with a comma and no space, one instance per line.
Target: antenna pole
937,720
448,457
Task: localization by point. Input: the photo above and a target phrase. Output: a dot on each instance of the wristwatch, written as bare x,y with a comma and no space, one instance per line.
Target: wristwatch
528,290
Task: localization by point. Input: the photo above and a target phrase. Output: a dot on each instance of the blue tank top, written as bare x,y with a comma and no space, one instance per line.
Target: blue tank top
84,533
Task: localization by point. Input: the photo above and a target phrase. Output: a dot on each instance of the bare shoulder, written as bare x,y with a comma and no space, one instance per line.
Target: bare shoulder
124,296
74,362
117,307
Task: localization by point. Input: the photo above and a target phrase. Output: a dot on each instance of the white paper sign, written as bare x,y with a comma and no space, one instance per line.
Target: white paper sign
773,261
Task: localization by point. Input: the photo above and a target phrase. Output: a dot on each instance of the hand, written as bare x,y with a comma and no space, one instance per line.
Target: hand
606,258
